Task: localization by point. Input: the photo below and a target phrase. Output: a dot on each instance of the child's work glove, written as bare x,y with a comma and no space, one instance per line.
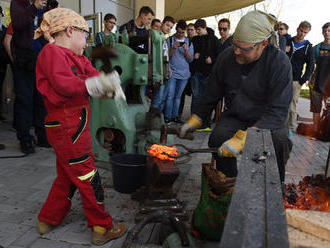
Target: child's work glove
234,146
105,85
191,124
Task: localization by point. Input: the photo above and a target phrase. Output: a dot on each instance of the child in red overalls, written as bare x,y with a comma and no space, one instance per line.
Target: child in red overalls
66,79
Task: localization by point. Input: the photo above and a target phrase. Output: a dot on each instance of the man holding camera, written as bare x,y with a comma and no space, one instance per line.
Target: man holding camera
29,110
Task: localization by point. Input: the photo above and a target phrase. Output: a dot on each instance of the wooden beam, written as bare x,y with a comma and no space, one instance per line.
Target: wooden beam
256,217
313,222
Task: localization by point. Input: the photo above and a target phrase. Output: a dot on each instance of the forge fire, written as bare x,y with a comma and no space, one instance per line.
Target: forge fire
312,193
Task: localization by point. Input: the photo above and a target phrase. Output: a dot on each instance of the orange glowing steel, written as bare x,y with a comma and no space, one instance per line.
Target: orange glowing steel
159,150
312,193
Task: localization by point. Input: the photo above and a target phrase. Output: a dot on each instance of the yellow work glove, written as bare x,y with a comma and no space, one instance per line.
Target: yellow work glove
234,146
192,123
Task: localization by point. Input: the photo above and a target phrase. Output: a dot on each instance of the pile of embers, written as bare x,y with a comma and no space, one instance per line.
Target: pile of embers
312,193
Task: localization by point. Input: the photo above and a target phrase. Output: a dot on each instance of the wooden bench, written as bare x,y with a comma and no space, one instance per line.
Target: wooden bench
256,217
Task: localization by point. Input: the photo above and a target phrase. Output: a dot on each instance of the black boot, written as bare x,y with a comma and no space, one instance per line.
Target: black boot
27,146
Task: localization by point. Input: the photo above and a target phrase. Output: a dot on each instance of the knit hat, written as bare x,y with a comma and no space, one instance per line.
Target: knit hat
255,27
57,20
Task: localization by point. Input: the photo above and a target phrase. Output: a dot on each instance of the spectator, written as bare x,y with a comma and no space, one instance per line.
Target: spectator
205,47
156,24
283,30
239,74
191,32
180,53
226,38
109,23
138,26
156,106
4,61
7,41
29,109
318,82
300,52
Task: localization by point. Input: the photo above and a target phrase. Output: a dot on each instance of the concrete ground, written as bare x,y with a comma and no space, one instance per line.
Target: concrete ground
25,183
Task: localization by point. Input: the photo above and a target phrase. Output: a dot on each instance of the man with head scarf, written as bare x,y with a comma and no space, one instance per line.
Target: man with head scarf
255,79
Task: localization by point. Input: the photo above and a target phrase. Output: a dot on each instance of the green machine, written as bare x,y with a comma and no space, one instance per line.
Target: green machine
127,127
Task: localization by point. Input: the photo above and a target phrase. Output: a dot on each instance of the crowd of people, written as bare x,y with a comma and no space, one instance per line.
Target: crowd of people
257,72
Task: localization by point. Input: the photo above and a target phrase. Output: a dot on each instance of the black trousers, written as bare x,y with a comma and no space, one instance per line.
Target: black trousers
29,109
228,126
3,69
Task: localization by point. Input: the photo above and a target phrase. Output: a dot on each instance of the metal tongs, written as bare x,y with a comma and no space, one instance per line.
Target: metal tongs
190,151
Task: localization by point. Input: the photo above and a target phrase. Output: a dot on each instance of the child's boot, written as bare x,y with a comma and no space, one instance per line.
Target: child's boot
44,227
102,235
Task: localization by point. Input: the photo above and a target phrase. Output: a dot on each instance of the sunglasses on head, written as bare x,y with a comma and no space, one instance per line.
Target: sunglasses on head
223,29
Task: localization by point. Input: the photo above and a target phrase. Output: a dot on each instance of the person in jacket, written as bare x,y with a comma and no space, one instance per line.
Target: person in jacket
157,101
29,110
226,39
205,53
4,60
180,54
66,79
318,84
109,23
255,79
300,52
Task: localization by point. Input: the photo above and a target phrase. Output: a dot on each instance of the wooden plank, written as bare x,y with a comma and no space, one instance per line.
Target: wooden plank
245,223
313,222
277,235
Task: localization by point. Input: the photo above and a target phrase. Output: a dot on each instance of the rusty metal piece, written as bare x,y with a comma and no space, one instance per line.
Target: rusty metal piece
164,131
191,150
147,210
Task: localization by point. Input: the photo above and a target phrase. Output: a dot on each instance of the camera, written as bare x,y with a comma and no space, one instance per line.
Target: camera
181,43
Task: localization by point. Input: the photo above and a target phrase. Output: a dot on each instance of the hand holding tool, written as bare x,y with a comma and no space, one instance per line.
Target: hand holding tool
234,146
192,123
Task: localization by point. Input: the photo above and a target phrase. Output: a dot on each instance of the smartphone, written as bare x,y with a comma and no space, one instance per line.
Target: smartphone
181,43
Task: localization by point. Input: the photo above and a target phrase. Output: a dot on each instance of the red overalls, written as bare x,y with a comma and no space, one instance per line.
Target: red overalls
60,79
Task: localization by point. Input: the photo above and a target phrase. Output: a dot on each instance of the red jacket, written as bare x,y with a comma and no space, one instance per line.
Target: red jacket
61,76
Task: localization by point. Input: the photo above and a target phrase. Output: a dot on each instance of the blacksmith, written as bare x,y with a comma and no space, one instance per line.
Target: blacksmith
255,78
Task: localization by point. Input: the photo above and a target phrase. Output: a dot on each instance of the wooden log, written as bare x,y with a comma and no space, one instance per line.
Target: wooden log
313,222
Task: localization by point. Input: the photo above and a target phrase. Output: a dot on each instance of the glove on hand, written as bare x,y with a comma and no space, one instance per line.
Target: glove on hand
234,146
192,123
105,85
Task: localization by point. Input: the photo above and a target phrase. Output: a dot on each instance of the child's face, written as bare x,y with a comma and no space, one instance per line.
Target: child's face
78,41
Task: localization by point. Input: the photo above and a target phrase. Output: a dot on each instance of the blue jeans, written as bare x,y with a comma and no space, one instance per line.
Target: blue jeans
198,83
158,98
174,89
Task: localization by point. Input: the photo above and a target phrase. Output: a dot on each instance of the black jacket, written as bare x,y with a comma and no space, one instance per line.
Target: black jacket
298,58
206,46
226,44
258,93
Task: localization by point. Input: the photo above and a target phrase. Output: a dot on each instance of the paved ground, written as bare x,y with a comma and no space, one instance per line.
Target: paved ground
25,183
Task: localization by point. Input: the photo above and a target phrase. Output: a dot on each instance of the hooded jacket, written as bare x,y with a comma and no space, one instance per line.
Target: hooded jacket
207,46
298,57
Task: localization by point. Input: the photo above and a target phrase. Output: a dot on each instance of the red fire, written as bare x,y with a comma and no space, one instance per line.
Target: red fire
162,152
312,193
